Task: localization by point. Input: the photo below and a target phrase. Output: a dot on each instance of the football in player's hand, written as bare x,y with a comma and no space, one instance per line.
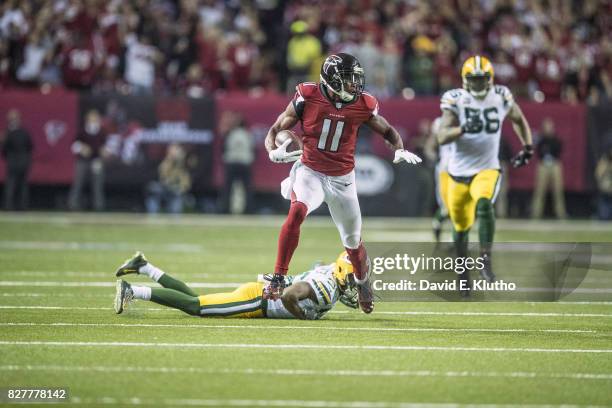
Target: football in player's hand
284,135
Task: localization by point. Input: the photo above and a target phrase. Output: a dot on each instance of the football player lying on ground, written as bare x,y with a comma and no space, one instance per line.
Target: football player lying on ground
308,296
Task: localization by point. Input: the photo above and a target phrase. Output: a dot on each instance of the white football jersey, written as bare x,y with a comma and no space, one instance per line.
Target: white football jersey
322,281
474,152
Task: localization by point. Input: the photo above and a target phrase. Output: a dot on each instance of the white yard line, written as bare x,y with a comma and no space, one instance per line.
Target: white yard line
218,220
98,246
292,403
54,295
521,314
110,275
306,372
302,347
110,295
289,327
415,313
107,284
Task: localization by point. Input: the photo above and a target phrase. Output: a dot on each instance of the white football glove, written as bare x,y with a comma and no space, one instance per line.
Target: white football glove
280,154
405,155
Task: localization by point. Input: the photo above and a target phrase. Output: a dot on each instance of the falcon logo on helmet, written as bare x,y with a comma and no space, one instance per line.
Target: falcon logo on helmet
477,74
343,76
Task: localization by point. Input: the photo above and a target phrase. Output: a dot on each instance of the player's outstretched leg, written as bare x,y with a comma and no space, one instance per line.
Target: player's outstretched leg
138,264
361,264
486,232
175,294
288,240
163,296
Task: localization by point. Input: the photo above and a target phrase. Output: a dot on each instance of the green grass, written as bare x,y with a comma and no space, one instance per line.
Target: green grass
511,354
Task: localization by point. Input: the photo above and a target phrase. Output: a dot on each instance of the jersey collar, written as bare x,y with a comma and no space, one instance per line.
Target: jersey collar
336,104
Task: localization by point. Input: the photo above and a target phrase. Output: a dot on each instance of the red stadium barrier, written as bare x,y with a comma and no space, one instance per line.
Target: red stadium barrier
570,122
52,120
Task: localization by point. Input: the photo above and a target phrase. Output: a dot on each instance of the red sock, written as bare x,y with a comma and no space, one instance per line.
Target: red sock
289,236
358,258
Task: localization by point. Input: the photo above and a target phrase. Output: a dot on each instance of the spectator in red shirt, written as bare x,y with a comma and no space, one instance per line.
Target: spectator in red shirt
240,56
79,65
549,73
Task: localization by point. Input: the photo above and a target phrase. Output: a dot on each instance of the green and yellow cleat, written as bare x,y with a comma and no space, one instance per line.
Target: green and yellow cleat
132,265
123,295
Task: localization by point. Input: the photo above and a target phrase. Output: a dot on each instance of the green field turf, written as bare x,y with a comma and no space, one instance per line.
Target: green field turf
58,328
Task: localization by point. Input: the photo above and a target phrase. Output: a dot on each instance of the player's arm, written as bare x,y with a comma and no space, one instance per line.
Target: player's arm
450,130
381,126
523,131
392,138
520,125
293,294
285,121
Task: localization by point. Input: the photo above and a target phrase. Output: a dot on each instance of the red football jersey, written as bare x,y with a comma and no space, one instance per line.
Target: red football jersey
330,129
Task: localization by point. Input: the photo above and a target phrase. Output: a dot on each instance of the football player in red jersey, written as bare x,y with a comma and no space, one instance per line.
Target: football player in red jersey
330,113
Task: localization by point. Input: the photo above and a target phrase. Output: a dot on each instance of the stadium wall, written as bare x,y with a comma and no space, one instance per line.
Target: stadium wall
144,125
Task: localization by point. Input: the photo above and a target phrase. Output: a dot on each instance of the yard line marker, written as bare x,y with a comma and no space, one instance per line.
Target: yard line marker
415,313
521,314
288,371
59,308
70,295
48,294
295,403
110,275
219,220
306,372
266,327
299,346
107,284
98,246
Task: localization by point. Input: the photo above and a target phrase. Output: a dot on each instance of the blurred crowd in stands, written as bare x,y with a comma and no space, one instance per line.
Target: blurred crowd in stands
542,49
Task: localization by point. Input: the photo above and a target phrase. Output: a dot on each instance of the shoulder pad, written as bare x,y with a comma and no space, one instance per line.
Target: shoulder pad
307,89
371,102
450,99
505,94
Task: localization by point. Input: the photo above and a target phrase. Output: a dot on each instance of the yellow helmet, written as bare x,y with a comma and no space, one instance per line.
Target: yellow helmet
477,74
343,272
342,269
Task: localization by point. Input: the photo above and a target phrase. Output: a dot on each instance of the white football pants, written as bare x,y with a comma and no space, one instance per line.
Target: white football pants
339,192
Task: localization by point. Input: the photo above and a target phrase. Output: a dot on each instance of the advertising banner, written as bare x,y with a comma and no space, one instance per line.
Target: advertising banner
51,120
260,112
140,128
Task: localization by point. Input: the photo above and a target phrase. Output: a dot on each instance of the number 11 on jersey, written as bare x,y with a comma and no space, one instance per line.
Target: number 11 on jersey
335,143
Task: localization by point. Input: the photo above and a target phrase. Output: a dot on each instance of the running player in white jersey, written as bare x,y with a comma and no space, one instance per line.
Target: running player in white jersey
472,119
308,296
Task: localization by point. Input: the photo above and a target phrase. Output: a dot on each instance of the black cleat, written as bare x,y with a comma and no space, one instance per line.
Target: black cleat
487,272
123,295
132,265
